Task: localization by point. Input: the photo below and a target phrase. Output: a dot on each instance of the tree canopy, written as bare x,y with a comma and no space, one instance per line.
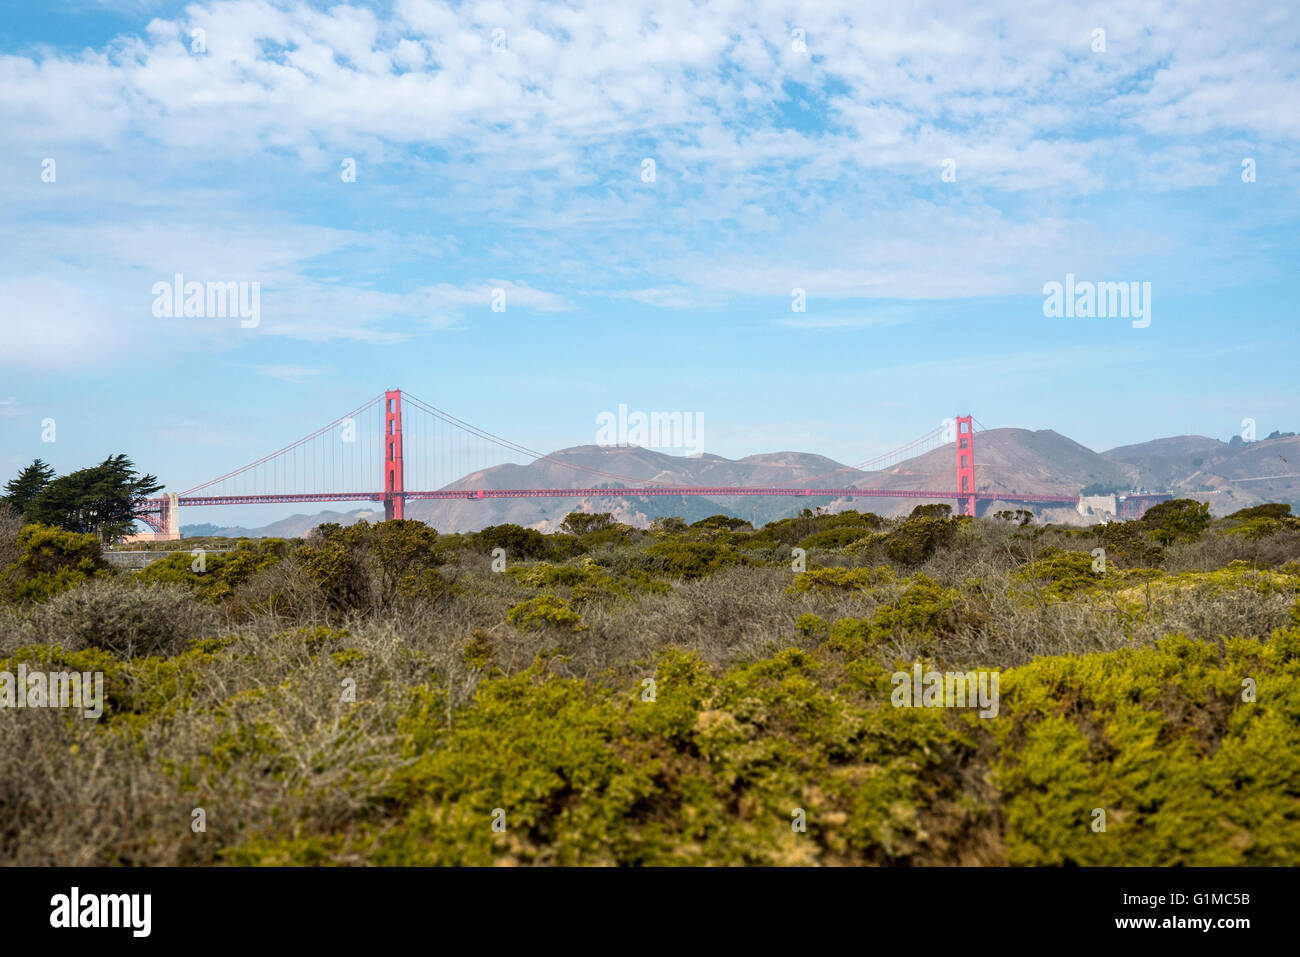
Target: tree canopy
23,489
99,500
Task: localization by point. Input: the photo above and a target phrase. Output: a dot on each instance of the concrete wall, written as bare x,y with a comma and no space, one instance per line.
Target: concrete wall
1099,506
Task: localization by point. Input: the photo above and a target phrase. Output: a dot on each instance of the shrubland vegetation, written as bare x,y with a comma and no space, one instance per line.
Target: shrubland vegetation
380,694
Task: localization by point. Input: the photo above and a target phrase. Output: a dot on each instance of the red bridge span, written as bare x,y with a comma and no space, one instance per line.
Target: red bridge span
396,448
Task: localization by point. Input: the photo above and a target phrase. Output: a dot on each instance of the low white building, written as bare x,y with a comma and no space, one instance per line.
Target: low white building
1098,506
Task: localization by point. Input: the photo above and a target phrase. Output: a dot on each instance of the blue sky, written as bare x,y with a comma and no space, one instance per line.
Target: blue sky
521,169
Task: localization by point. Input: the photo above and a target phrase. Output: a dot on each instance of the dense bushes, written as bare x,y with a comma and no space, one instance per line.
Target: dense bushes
1189,764
367,568
1182,519
681,558
715,768
214,575
123,618
518,542
48,561
1063,572
383,693
919,536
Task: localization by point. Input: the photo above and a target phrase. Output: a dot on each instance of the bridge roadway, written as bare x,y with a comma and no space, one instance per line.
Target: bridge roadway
612,491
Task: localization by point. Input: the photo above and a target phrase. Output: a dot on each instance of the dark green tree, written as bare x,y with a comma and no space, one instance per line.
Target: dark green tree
21,491
1179,520
585,523
98,500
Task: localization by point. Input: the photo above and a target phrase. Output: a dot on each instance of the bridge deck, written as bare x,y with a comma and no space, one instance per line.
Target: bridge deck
616,491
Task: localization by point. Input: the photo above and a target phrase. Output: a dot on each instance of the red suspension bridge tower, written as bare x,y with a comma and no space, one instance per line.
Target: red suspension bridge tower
965,465
394,499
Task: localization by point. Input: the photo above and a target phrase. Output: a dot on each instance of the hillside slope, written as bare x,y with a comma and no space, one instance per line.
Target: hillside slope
1229,476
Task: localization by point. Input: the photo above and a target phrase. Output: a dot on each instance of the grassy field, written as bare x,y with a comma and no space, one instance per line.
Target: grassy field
703,694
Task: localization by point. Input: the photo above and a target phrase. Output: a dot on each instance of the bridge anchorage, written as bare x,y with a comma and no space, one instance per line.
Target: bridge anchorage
397,448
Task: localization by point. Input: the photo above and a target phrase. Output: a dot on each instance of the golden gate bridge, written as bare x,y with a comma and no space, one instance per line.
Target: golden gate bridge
397,448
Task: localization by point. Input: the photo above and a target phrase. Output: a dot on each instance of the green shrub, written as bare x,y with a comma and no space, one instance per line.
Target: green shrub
919,536
688,559
126,619
50,561
789,531
920,612
841,579
519,542
1180,520
1273,510
1130,542
810,625
837,537
728,522
366,567
1159,739
1064,572
222,572
1257,527
544,611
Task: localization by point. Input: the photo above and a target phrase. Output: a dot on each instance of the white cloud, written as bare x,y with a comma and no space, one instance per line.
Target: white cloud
288,373
775,168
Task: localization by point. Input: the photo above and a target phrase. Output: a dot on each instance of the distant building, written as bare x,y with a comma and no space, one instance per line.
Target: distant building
1098,506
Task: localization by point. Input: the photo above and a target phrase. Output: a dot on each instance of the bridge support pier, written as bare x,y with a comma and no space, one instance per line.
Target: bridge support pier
394,497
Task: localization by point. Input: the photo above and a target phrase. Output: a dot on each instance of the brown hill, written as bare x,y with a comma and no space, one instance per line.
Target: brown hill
565,469
1229,476
1007,460
1163,463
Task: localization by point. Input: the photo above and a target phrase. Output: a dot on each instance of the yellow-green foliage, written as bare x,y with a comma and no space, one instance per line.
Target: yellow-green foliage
148,687
1131,543
920,535
545,575
689,559
587,582
222,571
313,639
840,537
842,579
1180,520
789,531
1162,742
919,612
710,763
1262,526
543,611
50,561
368,566
1142,586
1062,574
713,769
865,543
810,624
